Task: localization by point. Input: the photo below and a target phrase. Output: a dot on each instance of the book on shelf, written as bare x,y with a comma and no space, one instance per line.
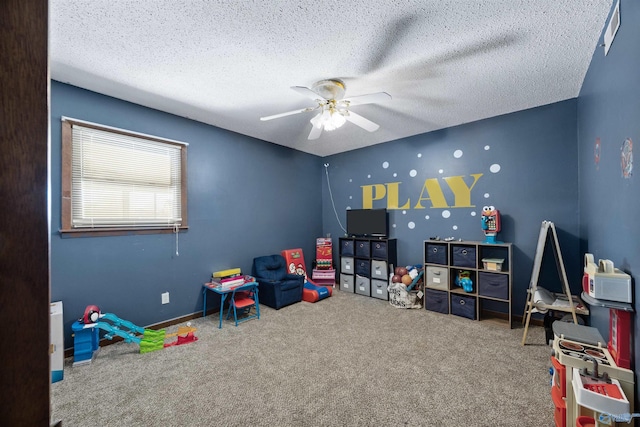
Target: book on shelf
226,273
229,283
229,278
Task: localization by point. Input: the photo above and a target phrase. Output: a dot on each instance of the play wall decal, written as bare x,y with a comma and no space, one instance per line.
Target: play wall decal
442,192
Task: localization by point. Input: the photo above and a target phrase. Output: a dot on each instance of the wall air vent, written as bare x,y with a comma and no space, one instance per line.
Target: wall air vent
612,28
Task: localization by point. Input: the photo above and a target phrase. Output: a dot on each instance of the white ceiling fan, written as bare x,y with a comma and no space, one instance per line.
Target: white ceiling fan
334,111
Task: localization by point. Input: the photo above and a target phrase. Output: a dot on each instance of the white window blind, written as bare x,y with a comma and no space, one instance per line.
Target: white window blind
124,181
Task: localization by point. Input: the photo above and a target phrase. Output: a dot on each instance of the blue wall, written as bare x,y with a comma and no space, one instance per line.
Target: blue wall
609,112
249,198
528,162
246,198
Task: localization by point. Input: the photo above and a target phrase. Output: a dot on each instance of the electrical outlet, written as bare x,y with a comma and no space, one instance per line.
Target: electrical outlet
165,298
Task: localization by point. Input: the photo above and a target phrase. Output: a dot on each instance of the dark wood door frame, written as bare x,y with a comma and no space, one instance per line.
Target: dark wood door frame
24,228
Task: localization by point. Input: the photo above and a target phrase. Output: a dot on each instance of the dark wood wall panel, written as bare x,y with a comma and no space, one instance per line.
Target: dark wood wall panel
24,235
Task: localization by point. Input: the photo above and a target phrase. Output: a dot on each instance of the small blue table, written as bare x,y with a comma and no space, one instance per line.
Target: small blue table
223,292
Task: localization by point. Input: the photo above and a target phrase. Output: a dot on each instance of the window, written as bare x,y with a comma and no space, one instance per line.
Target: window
115,181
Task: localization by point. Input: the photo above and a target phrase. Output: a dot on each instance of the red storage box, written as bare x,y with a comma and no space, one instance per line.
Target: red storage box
324,253
560,413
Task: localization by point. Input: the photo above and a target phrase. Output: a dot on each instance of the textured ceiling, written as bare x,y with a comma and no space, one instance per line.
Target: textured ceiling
228,63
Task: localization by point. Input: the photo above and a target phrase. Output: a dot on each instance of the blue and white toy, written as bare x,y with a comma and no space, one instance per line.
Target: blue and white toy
463,279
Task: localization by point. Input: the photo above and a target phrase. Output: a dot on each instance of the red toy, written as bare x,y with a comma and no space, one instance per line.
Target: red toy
490,223
620,337
91,314
295,263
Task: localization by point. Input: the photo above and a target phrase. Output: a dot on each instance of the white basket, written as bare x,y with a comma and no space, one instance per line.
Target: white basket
399,297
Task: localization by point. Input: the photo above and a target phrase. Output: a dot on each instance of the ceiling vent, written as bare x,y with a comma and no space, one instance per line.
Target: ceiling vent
612,28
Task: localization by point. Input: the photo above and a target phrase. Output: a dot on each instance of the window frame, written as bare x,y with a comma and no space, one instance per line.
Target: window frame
67,229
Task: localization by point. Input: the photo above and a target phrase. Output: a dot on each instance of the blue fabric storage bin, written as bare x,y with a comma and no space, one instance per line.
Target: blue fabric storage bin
436,301
363,248
436,253
463,256
463,306
379,249
493,285
346,247
363,267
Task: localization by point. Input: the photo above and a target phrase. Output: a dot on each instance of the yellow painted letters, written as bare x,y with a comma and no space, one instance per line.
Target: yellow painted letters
431,191
368,194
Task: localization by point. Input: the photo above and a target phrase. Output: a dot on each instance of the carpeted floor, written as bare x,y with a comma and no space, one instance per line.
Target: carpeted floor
346,360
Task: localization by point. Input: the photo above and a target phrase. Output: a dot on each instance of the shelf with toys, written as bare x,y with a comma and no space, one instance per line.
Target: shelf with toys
462,276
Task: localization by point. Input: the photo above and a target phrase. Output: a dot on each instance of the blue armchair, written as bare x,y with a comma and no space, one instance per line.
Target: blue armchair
277,287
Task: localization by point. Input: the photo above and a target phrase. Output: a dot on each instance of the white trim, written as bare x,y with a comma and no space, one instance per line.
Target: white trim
144,135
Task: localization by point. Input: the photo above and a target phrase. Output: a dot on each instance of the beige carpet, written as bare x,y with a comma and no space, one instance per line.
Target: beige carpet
346,360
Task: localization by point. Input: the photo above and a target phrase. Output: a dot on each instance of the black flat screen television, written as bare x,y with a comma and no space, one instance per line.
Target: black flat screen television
367,222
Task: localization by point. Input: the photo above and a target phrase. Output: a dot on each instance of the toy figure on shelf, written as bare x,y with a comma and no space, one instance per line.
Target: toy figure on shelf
490,224
463,279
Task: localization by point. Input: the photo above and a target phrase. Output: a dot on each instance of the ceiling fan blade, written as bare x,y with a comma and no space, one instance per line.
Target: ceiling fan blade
395,32
305,91
316,130
367,99
288,113
358,120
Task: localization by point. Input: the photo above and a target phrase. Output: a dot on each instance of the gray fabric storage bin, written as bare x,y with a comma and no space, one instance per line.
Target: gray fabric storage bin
463,256
379,249
347,247
463,306
437,277
435,253
347,265
379,269
436,301
363,267
379,289
363,248
363,286
493,285
346,282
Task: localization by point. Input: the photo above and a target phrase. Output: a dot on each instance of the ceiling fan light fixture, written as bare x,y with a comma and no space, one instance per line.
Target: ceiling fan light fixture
337,119
330,118
332,107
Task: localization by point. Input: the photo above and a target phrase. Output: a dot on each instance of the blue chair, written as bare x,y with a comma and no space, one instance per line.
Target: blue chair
242,300
278,288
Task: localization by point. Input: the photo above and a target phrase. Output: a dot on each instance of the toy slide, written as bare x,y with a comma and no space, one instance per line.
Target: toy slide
148,339
122,328
86,334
